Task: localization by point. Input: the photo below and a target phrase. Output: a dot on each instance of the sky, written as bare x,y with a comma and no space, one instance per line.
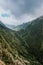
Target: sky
15,12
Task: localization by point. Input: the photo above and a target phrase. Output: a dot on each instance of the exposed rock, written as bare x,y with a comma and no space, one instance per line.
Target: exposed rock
2,63
17,62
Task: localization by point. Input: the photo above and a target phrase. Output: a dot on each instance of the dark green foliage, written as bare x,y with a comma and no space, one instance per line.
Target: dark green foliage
33,35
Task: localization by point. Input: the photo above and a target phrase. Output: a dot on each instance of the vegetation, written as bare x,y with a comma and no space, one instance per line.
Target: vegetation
24,46
33,35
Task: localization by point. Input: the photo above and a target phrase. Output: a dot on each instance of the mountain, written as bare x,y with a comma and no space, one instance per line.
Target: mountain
10,26
22,26
18,27
13,48
33,35
10,46
21,49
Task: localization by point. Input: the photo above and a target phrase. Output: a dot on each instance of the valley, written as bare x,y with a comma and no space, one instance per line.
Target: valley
24,46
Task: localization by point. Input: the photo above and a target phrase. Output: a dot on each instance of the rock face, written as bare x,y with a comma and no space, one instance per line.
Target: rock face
17,62
2,63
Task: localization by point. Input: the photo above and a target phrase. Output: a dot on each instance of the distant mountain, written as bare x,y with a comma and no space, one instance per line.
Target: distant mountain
22,26
10,26
18,27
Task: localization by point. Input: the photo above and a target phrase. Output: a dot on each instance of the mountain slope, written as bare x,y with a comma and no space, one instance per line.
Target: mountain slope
9,45
33,35
14,49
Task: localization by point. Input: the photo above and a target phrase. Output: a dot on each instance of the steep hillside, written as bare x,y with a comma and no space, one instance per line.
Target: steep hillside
14,50
33,35
10,46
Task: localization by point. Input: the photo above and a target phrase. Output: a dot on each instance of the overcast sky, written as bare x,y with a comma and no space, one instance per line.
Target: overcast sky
20,11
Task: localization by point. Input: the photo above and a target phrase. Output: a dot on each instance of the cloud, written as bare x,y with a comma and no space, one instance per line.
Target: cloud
20,7
26,18
39,11
8,18
5,15
20,11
